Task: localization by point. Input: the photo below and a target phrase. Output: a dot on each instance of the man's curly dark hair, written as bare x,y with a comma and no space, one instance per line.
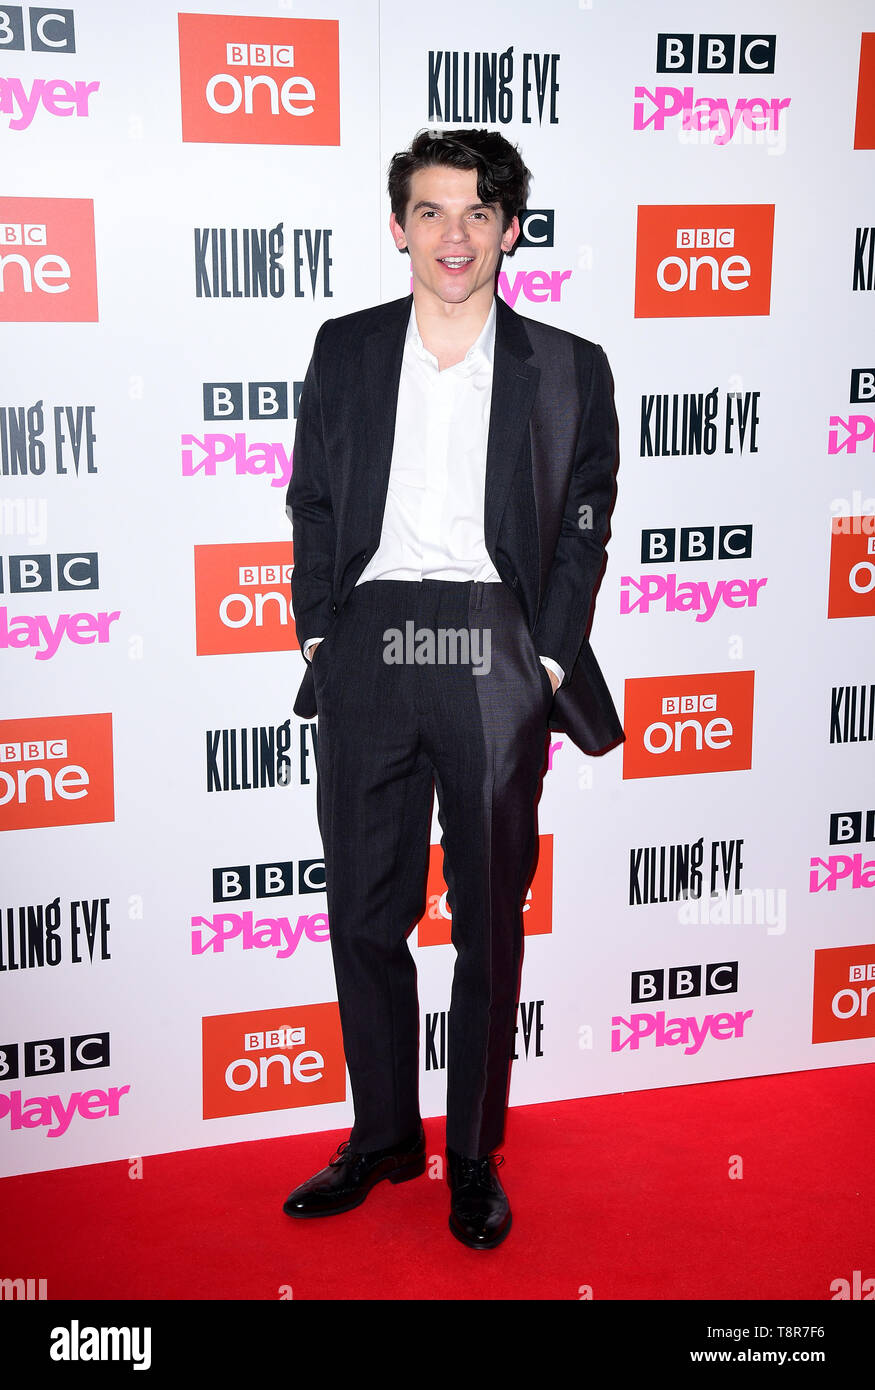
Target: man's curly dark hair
502,177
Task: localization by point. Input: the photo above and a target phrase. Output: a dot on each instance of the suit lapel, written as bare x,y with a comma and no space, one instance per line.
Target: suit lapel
514,384
382,358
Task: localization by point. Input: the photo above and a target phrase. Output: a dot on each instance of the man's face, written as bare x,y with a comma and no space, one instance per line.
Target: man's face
454,240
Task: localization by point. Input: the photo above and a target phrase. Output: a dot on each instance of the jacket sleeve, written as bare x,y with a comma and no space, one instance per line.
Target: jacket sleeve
579,559
309,507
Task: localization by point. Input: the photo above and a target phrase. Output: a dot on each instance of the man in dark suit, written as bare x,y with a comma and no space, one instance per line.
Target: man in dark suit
453,480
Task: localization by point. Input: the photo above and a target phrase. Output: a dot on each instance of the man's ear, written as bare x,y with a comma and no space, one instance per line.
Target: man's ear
398,235
510,236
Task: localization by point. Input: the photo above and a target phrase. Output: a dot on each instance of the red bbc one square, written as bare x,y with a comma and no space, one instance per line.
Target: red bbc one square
242,598
704,261
852,568
273,1059
49,266
56,770
844,993
681,725
249,80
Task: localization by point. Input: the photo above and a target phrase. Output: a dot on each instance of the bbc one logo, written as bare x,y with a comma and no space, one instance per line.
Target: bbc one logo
677,725
243,598
48,269
56,771
852,568
275,1059
704,261
253,81
844,994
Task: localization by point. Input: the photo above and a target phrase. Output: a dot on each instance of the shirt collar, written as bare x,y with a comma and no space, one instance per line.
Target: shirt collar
479,356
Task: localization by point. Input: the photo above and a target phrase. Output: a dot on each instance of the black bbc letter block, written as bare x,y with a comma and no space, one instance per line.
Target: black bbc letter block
862,385
674,52
52,30
697,543
89,1050
273,880
231,883
716,53
78,570
223,400
845,827
735,543
756,53
657,546
311,875
685,982
721,977
11,29
536,227
268,400
30,574
647,986
43,1056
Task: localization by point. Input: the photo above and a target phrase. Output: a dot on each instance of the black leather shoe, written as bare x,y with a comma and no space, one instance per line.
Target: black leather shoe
479,1209
349,1177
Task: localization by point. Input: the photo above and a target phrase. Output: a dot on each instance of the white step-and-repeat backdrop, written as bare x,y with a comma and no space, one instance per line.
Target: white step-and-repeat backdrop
185,198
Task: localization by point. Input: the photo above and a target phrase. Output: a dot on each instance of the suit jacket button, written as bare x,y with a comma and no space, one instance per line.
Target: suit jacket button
334,607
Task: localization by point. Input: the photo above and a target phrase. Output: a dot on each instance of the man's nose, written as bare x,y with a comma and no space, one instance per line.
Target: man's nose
456,229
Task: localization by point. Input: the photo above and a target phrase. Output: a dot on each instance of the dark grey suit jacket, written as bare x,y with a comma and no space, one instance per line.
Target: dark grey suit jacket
551,456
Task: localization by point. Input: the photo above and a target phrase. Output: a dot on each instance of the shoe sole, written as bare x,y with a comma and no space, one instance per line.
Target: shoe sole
480,1244
404,1174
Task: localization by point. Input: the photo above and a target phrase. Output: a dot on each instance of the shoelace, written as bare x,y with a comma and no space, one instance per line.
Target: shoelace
346,1151
478,1167
341,1154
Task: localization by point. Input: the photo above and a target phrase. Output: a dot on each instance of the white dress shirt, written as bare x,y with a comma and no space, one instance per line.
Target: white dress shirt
433,523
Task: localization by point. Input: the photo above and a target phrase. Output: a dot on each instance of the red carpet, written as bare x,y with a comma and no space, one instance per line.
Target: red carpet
627,1195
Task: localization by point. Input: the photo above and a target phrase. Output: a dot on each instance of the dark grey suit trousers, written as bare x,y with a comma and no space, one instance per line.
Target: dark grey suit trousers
391,732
